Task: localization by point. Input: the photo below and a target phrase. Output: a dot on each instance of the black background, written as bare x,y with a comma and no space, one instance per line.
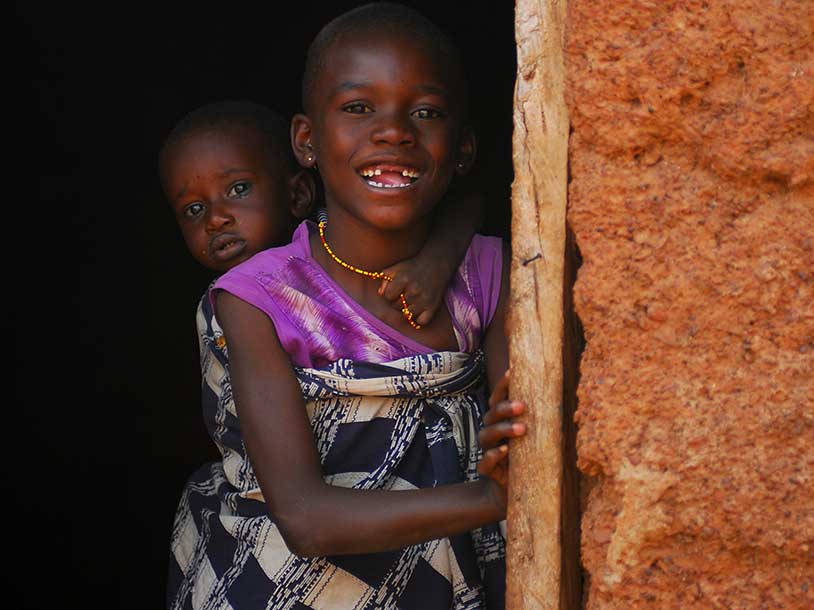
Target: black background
106,422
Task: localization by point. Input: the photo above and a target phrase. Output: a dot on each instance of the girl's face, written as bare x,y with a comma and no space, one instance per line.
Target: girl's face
385,127
230,195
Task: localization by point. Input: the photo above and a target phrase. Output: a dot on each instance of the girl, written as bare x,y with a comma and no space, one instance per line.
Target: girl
360,488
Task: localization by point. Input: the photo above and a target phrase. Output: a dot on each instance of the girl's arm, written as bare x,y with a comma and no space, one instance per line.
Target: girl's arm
498,421
424,278
316,518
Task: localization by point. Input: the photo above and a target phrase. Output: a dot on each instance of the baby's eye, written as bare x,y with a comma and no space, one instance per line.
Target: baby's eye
240,189
357,108
427,113
193,209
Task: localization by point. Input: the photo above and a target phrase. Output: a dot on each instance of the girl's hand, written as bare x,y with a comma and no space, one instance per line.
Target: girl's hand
498,429
423,283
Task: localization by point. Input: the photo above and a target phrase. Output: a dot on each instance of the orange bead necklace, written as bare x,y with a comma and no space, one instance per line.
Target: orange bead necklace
376,275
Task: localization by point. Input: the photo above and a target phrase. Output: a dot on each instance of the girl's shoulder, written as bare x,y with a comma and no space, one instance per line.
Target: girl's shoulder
268,261
486,251
481,271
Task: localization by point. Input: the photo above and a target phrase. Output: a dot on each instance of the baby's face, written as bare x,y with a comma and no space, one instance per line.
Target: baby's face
229,193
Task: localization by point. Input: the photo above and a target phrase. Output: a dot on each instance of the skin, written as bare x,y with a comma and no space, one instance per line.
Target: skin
262,205
424,279
232,196
377,100
383,103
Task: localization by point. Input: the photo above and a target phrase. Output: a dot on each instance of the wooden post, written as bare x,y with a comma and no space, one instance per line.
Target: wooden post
540,142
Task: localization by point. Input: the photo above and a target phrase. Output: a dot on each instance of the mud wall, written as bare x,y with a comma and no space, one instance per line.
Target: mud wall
692,202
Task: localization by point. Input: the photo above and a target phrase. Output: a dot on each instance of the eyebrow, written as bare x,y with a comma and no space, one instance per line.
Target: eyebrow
433,89
351,85
236,170
227,172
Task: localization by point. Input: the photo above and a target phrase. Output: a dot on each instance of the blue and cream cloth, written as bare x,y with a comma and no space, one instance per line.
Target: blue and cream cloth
405,424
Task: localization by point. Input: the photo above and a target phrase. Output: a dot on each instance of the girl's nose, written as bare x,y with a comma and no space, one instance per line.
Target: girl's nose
393,130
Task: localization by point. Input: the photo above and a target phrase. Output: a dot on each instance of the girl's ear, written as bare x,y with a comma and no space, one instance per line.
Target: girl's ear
301,140
467,150
302,193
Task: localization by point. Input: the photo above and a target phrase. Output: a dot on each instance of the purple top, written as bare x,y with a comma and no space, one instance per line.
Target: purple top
317,322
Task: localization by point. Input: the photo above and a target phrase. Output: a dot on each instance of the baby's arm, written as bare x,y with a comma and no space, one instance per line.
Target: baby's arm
424,278
316,518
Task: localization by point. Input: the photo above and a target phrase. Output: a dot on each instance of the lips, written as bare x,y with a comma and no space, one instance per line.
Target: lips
389,175
226,246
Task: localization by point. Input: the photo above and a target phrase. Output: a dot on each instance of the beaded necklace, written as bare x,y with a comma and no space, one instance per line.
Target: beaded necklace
376,275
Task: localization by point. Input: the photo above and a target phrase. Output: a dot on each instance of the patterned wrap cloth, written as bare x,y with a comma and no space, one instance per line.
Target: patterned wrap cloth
403,424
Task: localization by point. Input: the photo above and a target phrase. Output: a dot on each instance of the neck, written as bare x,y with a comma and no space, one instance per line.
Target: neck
366,247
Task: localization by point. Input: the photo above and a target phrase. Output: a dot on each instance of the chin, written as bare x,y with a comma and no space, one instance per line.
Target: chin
394,218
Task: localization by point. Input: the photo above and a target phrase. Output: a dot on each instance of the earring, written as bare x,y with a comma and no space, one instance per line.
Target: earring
309,157
460,165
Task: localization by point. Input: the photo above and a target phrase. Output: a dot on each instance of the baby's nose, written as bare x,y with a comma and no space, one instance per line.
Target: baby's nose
219,216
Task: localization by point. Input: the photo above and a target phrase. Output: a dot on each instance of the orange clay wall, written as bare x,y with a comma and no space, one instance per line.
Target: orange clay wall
692,202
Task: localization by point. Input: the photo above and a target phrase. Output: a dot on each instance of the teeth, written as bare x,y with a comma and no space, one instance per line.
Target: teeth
387,186
407,173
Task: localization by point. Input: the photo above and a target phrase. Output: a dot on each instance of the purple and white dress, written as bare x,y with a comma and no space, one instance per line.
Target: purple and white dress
387,413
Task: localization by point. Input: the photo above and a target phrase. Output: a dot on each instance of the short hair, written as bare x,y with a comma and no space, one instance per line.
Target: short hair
381,17
270,124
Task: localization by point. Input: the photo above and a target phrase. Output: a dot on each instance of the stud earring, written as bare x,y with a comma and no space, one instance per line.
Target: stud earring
309,157
460,165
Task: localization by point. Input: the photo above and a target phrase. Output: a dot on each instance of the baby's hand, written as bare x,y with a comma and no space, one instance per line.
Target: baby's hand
423,284
499,428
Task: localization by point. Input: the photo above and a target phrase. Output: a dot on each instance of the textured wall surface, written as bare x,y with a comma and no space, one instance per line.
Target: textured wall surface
692,201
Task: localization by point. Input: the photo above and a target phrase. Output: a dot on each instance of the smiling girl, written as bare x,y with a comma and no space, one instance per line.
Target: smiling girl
361,426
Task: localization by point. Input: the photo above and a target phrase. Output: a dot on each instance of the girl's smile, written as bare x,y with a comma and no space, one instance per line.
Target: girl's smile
388,175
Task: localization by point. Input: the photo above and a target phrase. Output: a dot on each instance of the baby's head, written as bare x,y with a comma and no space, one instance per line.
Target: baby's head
385,119
232,182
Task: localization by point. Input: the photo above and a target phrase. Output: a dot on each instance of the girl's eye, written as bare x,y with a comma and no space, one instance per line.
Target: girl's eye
193,209
427,113
357,108
240,189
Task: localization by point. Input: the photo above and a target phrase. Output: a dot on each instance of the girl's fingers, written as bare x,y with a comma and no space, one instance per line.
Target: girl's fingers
491,459
503,410
500,391
492,436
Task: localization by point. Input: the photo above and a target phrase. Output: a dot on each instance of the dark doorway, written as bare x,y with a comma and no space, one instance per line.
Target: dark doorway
114,83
